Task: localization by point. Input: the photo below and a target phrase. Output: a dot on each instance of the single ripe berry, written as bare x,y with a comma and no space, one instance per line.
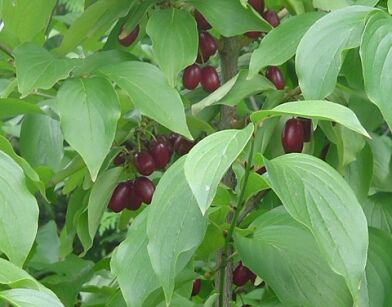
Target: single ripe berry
160,153
293,136
144,188
307,127
144,163
126,39
207,44
241,275
191,77
272,18
134,200
258,5
274,74
196,287
202,23
262,170
209,79
120,197
253,34
165,140
182,146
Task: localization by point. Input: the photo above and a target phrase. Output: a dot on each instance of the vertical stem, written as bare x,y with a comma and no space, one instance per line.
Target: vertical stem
229,55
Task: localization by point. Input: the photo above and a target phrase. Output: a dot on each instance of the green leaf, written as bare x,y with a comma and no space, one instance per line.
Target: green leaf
100,196
132,266
151,93
330,5
89,111
94,22
379,268
389,3
281,43
177,29
30,298
315,109
284,254
229,17
382,162
315,195
37,68
319,54
26,19
10,107
378,211
256,183
210,159
376,61
44,147
175,226
19,210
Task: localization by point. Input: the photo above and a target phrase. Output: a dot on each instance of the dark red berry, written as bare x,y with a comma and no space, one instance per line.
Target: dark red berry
202,23
126,39
119,159
201,59
196,287
274,74
144,163
165,140
160,154
134,201
272,18
241,275
307,127
182,146
253,34
258,5
293,136
144,188
209,79
191,77
261,170
207,44
173,138
120,197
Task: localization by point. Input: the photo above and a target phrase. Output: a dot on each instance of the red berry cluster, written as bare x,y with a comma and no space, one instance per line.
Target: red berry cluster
127,39
207,76
241,275
268,15
295,133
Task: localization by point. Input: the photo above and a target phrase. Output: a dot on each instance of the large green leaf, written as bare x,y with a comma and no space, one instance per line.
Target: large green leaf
89,111
379,268
376,58
175,226
151,93
319,54
100,196
26,19
317,109
177,29
10,107
37,68
30,298
132,266
317,196
44,147
281,43
19,210
284,253
378,211
210,159
229,17
382,162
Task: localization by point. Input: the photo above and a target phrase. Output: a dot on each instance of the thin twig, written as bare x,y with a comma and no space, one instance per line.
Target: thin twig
6,50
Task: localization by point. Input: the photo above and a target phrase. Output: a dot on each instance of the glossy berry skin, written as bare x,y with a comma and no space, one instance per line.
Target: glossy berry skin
241,275
207,44
293,136
209,79
173,138
182,146
202,23
307,127
134,201
196,287
274,74
144,188
120,197
272,18
160,153
253,34
165,140
191,77
258,5
127,40
144,163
